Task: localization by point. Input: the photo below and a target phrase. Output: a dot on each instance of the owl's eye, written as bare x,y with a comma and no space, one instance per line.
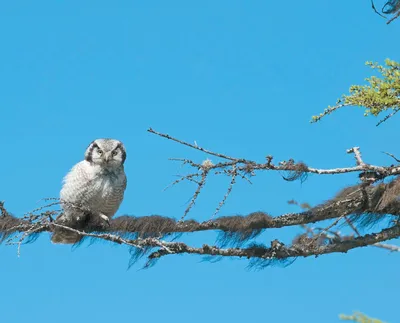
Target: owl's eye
115,153
99,151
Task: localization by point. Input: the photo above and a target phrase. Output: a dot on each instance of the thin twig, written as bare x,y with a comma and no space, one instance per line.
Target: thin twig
329,111
190,145
182,178
397,109
391,155
196,193
229,190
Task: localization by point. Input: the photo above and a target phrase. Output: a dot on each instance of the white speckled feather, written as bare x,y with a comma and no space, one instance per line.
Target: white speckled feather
94,188
95,185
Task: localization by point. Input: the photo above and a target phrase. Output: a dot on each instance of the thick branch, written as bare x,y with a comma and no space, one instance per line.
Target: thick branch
148,231
280,251
363,202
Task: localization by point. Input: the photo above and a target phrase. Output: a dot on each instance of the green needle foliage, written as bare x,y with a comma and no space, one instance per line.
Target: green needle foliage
359,318
380,94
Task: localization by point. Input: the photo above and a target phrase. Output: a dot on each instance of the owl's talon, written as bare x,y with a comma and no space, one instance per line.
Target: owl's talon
105,218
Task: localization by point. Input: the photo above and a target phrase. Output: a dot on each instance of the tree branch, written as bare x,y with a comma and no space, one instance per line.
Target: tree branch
246,165
360,205
279,251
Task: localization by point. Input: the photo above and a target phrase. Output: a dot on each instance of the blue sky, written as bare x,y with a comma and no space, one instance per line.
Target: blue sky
239,77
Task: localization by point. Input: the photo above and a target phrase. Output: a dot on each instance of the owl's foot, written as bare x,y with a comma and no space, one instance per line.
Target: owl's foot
105,218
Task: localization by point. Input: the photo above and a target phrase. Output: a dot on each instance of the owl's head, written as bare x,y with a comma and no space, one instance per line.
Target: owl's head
108,153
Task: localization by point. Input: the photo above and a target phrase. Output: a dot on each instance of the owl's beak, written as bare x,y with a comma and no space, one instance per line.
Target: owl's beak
107,157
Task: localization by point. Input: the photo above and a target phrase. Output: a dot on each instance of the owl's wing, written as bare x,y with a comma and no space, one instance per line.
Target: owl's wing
125,182
117,197
76,185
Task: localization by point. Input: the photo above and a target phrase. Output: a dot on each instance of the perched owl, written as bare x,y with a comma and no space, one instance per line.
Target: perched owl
93,190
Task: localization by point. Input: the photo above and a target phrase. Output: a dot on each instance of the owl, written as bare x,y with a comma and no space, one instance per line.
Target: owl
93,189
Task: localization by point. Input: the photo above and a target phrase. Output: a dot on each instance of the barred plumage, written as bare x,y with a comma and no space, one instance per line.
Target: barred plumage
93,189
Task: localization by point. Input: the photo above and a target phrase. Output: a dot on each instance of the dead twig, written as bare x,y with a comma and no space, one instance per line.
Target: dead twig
391,155
190,145
233,174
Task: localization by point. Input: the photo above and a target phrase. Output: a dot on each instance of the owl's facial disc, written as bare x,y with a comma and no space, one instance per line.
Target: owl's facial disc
106,152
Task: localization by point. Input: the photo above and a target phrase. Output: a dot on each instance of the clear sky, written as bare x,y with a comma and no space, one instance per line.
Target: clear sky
239,77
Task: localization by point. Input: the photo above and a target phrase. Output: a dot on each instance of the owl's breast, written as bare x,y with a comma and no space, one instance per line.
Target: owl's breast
94,189
106,195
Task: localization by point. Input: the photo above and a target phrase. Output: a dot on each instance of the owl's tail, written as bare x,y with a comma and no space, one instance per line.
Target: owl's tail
65,237
80,221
